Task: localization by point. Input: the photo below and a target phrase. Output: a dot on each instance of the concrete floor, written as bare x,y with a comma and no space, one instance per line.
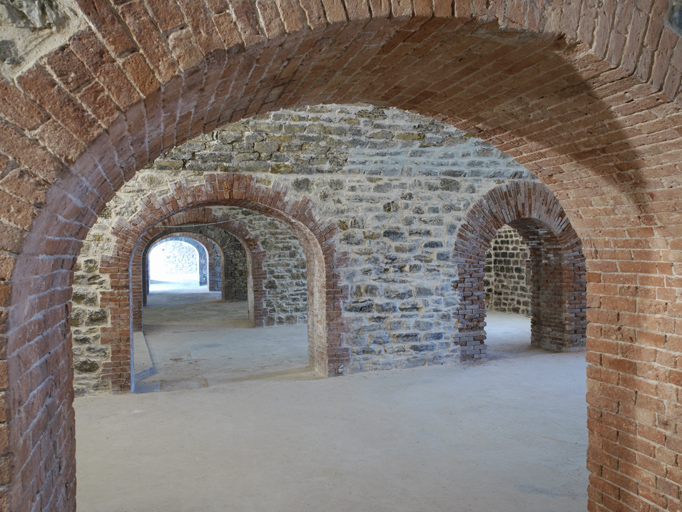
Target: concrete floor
506,435
196,341
180,290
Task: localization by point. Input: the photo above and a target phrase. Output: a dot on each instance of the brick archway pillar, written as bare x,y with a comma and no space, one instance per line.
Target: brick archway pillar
557,264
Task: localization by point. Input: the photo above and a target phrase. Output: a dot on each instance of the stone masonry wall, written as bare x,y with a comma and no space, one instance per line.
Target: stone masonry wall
235,269
397,186
506,274
286,299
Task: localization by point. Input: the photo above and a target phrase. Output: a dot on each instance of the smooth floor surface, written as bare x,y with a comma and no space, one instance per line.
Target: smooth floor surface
506,435
176,290
196,341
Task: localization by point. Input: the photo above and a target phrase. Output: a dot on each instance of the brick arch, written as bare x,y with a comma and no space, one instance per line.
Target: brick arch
597,121
557,264
327,354
544,70
255,256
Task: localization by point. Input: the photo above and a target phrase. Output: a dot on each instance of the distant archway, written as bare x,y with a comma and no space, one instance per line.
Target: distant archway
199,266
557,264
327,355
177,223
209,272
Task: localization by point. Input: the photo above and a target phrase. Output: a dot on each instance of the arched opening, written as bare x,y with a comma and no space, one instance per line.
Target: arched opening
507,294
234,260
551,285
216,191
176,266
126,87
207,283
535,291
263,268
397,232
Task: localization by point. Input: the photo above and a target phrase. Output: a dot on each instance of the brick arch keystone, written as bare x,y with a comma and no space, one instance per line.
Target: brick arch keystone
556,261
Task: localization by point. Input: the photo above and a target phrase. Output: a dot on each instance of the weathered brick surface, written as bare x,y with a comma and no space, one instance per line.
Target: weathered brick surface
556,107
150,41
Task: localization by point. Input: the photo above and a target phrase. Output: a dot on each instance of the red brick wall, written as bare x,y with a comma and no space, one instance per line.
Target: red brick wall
584,94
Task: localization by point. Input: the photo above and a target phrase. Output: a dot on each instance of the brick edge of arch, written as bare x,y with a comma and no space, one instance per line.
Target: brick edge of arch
556,261
326,328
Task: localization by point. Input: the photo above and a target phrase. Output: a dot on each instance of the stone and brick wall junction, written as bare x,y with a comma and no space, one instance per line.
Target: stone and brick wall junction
586,95
399,190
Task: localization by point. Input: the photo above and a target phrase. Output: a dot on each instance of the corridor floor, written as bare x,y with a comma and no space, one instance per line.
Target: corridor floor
197,341
506,435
